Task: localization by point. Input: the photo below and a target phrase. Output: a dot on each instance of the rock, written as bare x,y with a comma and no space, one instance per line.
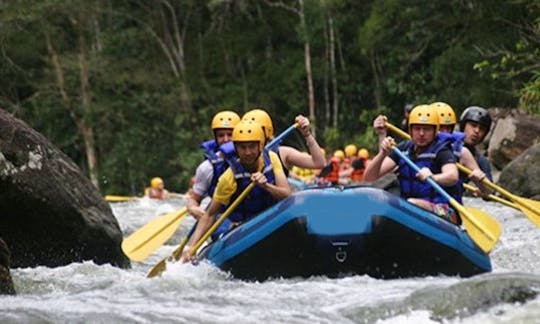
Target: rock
513,132
52,215
6,283
521,176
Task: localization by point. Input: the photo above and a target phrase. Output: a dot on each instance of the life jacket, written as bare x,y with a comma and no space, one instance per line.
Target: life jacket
358,173
410,186
333,175
258,199
220,162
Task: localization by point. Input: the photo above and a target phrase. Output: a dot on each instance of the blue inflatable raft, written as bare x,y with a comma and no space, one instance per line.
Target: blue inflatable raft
338,232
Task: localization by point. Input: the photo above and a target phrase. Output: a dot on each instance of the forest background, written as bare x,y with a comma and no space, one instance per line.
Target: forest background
127,88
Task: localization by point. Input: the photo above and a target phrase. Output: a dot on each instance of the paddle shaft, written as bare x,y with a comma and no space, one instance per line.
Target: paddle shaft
493,197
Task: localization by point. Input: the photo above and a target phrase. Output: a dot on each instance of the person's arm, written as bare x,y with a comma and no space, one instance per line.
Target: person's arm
449,174
381,164
281,188
206,220
203,179
380,128
318,160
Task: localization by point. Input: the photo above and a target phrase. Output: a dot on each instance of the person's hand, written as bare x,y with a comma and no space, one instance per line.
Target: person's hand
477,175
386,145
379,125
259,178
423,174
186,256
303,125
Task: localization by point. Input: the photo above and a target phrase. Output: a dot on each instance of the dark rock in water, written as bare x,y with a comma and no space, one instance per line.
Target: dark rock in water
52,215
513,132
521,175
6,283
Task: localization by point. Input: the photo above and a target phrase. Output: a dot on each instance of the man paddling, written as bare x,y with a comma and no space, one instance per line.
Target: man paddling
254,164
430,152
205,180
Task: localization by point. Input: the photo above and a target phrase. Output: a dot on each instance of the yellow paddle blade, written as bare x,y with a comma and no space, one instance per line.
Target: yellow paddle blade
529,207
114,198
483,229
143,242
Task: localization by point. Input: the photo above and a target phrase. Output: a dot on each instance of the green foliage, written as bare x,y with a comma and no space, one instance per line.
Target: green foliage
244,54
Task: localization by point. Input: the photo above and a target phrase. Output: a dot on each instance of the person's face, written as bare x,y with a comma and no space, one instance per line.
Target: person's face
422,135
223,136
248,152
474,132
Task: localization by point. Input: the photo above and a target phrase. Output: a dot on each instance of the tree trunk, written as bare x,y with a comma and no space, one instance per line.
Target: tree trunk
326,86
335,95
309,74
85,125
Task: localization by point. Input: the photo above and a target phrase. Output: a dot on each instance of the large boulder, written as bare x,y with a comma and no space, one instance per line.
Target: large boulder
513,132
521,175
52,215
6,283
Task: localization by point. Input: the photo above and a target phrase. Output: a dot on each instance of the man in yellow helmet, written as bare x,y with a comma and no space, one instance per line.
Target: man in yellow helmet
289,155
208,172
254,164
157,189
426,149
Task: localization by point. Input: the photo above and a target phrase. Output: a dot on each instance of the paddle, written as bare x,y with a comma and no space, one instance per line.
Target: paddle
492,197
115,198
161,266
482,228
529,207
177,253
144,241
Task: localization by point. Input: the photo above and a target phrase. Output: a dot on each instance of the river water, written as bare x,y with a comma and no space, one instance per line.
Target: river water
88,293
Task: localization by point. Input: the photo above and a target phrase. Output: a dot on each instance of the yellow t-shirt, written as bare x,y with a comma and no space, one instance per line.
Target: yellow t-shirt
226,185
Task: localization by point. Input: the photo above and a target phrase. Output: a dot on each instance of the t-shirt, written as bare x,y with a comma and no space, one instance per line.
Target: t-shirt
203,178
226,186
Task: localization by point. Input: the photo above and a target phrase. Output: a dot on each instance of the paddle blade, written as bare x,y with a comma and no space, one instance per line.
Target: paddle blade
113,198
162,265
483,229
529,207
143,242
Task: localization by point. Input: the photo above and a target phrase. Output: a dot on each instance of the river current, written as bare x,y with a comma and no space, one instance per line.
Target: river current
90,293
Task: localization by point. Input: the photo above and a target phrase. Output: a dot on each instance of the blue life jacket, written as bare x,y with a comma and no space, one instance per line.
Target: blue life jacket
410,186
258,199
220,163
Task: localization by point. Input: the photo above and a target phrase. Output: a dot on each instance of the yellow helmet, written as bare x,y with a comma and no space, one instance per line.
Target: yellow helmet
261,117
323,151
339,154
350,150
225,119
156,182
446,114
363,154
423,115
249,131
